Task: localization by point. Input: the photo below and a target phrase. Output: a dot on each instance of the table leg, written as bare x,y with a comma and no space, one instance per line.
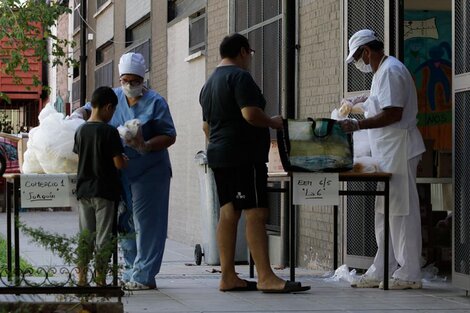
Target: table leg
386,233
16,207
335,237
292,237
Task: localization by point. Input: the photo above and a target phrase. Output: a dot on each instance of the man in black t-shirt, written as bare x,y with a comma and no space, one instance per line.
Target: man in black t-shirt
100,155
238,133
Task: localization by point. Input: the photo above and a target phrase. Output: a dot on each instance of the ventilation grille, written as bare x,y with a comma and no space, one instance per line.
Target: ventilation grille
462,36
360,215
462,184
361,15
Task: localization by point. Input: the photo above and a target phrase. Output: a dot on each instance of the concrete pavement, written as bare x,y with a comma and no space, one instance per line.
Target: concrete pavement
185,287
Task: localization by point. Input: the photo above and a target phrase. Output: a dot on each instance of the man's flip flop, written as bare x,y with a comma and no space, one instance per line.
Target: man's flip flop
289,287
250,286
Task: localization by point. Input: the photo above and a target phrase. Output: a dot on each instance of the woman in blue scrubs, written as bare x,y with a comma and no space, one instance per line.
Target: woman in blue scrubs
146,180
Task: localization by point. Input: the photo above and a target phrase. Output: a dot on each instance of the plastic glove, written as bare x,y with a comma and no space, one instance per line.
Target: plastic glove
349,125
358,99
345,109
75,115
138,143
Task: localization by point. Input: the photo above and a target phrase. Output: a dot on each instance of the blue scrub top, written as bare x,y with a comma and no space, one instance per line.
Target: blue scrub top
154,115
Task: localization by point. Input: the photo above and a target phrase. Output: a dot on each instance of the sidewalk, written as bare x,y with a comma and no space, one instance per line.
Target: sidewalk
185,287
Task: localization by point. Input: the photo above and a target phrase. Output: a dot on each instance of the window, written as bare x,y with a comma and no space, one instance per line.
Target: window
76,14
76,90
104,53
138,33
197,32
104,75
99,3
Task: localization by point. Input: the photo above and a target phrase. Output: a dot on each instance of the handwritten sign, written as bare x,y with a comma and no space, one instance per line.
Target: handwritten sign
315,188
48,190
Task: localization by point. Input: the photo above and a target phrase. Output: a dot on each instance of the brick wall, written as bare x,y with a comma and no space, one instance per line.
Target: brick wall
159,47
319,93
185,79
217,29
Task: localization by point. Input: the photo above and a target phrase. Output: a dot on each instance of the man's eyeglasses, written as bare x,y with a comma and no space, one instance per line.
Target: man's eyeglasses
133,82
252,51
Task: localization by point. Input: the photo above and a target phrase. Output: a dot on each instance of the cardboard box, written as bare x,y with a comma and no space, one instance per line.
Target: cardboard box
444,164
426,165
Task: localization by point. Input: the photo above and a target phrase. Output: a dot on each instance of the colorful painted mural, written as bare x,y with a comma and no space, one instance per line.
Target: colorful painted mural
428,56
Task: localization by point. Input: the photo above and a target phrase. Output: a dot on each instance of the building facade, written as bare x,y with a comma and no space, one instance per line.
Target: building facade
299,64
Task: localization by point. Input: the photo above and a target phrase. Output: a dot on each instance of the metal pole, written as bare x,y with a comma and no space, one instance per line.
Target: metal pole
83,39
289,57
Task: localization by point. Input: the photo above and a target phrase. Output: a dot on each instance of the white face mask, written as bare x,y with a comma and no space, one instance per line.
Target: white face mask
132,91
363,67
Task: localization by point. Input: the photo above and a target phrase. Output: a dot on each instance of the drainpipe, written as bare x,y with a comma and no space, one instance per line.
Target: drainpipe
289,28
83,39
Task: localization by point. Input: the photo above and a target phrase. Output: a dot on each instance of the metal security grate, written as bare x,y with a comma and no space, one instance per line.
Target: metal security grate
104,75
197,33
360,233
363,14
261,22
462,36
462,184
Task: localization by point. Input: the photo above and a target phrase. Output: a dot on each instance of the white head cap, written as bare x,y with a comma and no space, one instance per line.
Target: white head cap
358,39
132,63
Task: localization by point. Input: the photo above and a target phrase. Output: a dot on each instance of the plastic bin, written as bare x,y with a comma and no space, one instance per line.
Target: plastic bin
210,217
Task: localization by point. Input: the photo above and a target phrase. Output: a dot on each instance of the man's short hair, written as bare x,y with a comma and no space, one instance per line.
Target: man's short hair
102,96
231,45
375,45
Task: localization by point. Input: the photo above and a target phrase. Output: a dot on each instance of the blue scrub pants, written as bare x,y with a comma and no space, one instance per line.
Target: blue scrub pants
147,196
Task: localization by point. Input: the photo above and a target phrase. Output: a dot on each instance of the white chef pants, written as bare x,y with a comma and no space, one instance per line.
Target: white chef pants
405,237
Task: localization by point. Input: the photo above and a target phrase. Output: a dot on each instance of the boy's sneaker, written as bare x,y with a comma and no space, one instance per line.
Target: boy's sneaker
366,282
133,285
400,284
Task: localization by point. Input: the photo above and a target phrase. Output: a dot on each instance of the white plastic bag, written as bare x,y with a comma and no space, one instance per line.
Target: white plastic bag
51,144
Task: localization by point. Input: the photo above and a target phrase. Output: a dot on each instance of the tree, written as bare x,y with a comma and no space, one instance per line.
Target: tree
25,28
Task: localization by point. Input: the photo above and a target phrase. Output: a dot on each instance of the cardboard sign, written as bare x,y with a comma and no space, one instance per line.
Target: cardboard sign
315,188
48,190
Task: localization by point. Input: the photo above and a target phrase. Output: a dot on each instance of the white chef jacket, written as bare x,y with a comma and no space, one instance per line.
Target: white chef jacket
392,146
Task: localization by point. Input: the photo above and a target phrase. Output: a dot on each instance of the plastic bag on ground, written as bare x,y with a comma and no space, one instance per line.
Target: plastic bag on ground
343,273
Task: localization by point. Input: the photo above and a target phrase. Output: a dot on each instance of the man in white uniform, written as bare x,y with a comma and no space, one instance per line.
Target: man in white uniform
397,145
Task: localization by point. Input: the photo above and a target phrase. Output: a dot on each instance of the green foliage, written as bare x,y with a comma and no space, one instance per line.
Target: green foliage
25,28
77,250
3,256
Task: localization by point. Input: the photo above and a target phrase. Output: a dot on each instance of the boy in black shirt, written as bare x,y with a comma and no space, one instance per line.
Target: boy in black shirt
100,155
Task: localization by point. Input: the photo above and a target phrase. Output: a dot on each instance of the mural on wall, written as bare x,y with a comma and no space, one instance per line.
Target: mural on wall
428,56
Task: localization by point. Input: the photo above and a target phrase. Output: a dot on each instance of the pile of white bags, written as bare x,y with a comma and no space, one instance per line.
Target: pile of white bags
50,145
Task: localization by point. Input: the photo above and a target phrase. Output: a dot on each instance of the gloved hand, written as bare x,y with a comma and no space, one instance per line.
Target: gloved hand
349,125
75,115
138,143
358,99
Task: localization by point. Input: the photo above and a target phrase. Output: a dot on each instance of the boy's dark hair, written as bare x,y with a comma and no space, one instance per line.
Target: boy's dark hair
102,96
375,45
231,45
